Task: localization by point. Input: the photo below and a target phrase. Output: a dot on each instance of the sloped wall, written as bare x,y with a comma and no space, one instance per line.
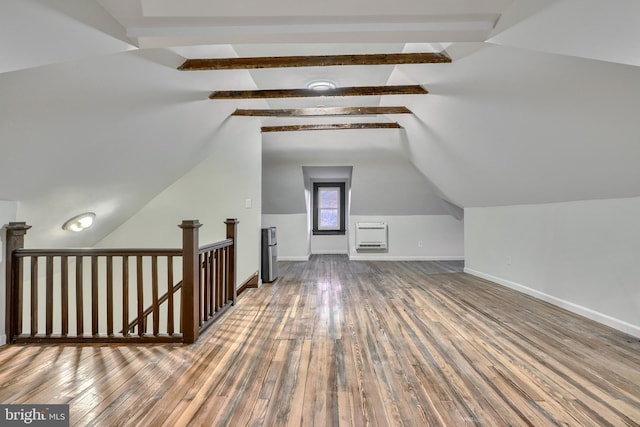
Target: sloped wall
582,256
216,189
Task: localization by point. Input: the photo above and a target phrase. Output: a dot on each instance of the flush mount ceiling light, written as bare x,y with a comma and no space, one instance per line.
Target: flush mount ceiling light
79,222
321,85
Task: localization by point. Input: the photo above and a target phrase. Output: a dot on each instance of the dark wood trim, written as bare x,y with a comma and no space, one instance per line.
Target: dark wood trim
97,252
190,298
14,241
343,208
218,245
232,256
98,339
321,111
310,93
250,283
334,126
313,61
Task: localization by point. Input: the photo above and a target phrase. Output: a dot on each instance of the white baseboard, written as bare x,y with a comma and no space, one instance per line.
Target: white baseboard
3,339
331,252
612,322
293,258
374,257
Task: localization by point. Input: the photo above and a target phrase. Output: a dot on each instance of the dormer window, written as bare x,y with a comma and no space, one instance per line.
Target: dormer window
328,208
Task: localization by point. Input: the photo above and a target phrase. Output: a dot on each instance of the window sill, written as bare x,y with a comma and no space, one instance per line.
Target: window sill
329,232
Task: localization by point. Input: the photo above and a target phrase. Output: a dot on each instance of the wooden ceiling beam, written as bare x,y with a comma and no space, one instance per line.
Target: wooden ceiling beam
335,126
322,111
313,61
306,93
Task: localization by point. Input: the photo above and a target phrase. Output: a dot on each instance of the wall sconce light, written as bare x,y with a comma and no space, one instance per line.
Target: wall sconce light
79,222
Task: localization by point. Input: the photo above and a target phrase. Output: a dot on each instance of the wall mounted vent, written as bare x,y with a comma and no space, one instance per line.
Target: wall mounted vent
371,235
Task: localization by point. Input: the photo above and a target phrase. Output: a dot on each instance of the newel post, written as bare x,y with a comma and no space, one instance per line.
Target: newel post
190,281
232,233
14,240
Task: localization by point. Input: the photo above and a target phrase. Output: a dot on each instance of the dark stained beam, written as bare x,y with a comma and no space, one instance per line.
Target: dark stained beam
322,111
336,126
313,61
306,93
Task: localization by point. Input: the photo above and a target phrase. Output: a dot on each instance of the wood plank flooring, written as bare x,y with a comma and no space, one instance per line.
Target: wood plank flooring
334,342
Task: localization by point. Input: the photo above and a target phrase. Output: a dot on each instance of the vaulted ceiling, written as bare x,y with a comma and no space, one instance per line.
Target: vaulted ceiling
538,105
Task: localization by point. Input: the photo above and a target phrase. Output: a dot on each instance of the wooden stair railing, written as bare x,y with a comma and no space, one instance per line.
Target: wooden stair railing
213,277
101,288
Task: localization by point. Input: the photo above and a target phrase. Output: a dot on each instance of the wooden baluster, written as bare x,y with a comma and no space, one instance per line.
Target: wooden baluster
140,291
227,274
79,297
190,281
211,285
20,291
94,296
232,233
125,295
49,296
170,319
110,295
222,294
204,275
227,278
15,232
154,295
64,294
34,295
214,279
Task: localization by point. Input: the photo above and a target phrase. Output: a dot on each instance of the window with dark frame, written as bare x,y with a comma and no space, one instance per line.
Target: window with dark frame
329,208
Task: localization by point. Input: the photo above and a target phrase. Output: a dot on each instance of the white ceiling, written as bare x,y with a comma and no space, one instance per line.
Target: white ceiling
539,107
158,23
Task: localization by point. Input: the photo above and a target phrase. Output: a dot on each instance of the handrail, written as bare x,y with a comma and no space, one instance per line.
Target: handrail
96,252
218,245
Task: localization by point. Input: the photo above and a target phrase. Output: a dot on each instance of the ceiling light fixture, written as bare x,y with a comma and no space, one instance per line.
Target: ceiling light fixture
321,85
79,222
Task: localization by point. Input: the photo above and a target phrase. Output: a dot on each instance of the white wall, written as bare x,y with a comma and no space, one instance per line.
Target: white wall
583,256
442,237
7,214
295,242
216,189
292,234
414,237
329,244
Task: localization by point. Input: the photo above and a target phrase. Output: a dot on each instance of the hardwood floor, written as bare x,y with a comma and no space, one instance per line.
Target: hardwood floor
334,342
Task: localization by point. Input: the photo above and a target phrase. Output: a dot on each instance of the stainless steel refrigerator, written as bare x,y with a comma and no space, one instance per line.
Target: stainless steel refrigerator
269,265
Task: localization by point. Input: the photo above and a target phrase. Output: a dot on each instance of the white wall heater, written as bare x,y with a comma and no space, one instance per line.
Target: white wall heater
371,235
